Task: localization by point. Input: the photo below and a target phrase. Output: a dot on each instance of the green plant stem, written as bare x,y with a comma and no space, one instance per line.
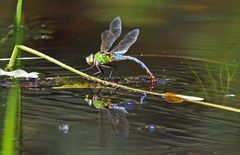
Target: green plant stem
216,106
199,80
18,17
230,76
234,72
221,80
10,122
228,80
106,83
214,83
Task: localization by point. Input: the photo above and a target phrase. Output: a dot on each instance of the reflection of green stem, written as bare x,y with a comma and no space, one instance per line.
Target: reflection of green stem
234,72
221,79
200,81
5,38
10,122
106,83
230,77
212,79
228,80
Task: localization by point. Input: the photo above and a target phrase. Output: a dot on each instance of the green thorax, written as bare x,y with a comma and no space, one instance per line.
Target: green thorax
103,57
99,104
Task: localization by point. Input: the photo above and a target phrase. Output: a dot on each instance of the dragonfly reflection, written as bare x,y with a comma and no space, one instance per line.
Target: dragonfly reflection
104,56
112,119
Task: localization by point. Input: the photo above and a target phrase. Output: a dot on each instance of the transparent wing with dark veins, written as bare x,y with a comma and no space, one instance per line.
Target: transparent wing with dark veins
105,127
109,36
120,123
126,42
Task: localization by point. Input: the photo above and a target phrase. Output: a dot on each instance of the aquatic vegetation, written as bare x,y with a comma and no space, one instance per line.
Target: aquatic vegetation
19,73
5,38
12,121
229,77
18,16
30,83
74,82
219,82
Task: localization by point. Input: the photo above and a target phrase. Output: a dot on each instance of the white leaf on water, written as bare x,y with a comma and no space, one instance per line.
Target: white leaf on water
19,73
2,72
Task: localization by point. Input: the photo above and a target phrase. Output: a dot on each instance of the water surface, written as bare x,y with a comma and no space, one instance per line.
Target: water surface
191,47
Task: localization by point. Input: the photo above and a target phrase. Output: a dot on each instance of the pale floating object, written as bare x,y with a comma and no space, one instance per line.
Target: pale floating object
193,98
64,128
176,98
23,58
19,73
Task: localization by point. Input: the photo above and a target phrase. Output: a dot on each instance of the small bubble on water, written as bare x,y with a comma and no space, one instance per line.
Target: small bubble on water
64,128
43,25
151,128
42,37
129,104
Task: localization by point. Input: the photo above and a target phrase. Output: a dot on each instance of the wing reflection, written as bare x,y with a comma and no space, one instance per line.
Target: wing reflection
112,118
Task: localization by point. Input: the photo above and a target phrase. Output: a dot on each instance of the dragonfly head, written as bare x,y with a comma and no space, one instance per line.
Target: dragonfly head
90,59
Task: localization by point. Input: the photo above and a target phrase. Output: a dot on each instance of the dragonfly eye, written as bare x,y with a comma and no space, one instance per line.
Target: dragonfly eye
89,59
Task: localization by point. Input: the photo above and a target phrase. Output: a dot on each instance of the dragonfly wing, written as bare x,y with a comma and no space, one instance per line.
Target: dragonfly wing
105,127
126,42
109,36
120,123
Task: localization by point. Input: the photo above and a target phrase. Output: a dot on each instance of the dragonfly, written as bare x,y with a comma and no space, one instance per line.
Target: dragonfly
106,56
112,119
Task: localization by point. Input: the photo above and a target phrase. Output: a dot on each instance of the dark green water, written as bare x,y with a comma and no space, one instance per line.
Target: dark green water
170,31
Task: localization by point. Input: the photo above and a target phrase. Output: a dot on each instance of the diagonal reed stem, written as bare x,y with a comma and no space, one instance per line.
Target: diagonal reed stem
106,83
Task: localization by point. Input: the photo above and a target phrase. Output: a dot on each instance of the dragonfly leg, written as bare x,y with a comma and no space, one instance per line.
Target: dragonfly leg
113,67
100,71
86,69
